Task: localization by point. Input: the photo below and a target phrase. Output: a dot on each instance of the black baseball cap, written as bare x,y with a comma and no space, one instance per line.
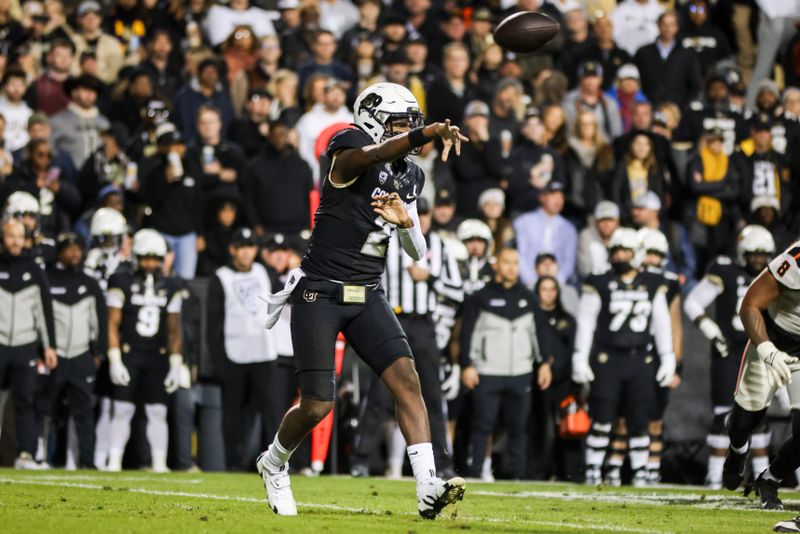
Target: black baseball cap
66,239
423,206
553,186
243,237
761,122
444,197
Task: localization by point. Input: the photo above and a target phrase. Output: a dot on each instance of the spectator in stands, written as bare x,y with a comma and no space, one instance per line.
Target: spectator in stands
421,68
545,230
222,162
258,77
277,185
486,71
171,186
107,165
626,91
224,214
646,213
323,61
331,111
768,98
704,38
593,240
222,20
445,221
47,93
39,129
449,93
159,63
506,109
472,171
669,71
546,264
480,31
589,161
365,64
250,131
636,23
604,50
578,40
90,36
285,105
775,29
589,96
365,28
764,171
554,121
240,51
534,166
40,176
14,109
204,89
635,174
143,139
713,181
396,68
127,106
293,32
492,204
76,130
338,16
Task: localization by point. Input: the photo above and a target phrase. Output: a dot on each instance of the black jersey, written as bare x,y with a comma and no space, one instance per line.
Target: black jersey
349,240
626,309
702,117
733,282
145,302
672,282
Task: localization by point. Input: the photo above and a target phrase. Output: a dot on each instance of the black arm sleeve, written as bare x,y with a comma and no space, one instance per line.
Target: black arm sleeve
101,342
47,306
470,312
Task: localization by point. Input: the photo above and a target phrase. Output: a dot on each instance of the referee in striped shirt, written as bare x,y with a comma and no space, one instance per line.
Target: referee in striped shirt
413,289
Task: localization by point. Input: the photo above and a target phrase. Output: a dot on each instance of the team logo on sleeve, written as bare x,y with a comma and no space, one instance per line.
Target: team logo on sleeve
309,296
382,176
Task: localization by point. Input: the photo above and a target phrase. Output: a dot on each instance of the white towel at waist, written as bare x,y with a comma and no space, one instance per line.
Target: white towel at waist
276,301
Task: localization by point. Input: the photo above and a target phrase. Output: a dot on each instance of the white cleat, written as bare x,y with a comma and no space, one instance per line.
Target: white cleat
435,494
277,486
25,461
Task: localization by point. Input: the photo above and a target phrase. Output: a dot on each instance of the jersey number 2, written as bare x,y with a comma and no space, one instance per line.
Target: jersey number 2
375,245
148,320
637,311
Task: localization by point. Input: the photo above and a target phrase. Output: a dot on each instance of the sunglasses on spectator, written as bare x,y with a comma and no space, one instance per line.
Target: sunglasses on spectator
697,9
21,214
242,34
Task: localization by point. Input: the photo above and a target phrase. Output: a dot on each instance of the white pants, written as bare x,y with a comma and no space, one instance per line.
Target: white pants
753,391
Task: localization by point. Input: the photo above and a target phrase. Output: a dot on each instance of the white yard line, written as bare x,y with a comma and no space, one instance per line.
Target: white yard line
41,481
114,478
695,500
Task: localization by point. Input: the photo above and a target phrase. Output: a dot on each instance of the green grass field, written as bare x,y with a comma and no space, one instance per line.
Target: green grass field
59,501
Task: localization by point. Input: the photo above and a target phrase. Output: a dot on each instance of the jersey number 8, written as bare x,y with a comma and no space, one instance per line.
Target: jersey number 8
148,321
623,309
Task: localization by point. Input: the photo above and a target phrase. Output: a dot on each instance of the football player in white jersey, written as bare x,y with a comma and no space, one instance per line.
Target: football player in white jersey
770,313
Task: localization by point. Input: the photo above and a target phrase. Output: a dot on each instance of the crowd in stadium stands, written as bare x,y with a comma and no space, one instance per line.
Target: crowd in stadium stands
204,121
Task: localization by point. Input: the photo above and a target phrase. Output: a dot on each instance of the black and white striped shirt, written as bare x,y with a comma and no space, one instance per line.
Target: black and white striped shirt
420,298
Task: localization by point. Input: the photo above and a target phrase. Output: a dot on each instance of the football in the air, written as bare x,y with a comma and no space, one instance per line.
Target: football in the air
526,31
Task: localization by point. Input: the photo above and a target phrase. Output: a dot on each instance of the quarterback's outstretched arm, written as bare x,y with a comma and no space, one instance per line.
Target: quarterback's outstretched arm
351,162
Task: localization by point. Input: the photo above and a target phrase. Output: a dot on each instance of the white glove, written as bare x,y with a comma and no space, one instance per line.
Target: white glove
777,362
712,332
173,380
116,369
666,371
452,383
581,371
186,377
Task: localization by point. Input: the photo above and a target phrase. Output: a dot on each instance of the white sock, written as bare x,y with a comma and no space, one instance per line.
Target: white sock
422,464
487,465
714,474
120,427
72,446
397,445
102,433
760,464
277,454
769,476
157,435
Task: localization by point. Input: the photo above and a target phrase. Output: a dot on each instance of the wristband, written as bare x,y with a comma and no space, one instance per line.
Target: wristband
416,137
175,359
114,354
679,368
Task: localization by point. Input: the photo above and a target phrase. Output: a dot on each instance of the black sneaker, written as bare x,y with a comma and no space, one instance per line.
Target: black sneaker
767,490
789,525
733,470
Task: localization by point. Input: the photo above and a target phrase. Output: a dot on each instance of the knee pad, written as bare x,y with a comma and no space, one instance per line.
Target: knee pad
156,412
123,410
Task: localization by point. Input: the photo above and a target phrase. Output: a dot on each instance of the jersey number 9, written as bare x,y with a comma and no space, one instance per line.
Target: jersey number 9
148,321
